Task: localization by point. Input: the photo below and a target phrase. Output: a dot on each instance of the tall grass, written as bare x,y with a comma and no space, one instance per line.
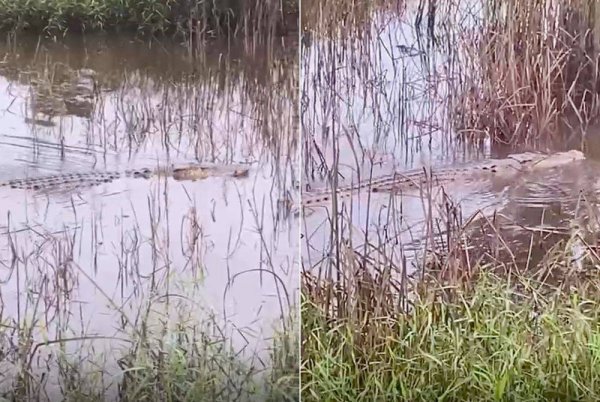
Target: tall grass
496,340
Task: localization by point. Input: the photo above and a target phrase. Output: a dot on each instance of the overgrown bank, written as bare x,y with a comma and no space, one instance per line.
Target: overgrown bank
499,340
188,17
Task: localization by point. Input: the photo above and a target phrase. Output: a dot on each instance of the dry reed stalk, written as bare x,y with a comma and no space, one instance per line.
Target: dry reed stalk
534,71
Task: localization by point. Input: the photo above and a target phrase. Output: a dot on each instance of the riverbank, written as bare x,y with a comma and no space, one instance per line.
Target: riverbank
195,18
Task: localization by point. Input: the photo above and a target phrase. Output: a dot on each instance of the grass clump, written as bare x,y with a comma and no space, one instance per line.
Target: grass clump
493,341
196,367
185,370
284,378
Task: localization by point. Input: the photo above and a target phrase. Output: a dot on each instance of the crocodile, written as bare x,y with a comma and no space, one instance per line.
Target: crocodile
511,166
94,178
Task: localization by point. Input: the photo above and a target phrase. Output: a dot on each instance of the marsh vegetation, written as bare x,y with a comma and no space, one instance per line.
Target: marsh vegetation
449,292
192,19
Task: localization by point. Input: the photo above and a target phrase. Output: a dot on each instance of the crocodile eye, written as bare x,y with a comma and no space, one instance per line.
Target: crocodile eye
240,173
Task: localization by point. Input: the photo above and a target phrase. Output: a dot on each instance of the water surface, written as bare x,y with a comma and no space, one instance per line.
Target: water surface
96,261
379,92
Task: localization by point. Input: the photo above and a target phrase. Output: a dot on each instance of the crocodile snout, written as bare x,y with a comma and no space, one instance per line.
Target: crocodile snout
145,173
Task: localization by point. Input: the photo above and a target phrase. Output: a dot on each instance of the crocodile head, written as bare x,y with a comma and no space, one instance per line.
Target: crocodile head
145,173
559,159
536,160
199,172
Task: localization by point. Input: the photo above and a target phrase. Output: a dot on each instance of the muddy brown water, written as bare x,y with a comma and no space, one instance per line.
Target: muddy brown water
377,101
91,261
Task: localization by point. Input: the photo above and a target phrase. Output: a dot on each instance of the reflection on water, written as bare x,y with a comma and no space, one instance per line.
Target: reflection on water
378,97
93,261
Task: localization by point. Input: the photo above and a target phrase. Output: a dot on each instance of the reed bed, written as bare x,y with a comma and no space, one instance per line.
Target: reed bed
511,75
531,76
